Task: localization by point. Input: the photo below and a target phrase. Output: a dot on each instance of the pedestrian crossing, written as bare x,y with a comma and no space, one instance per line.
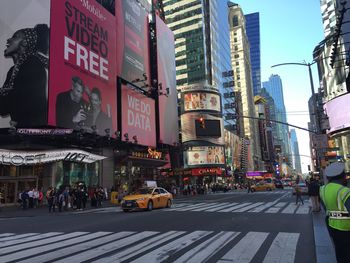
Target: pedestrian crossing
226,207
246,207
148,246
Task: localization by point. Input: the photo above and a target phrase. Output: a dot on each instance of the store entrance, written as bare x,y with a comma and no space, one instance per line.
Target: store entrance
7,192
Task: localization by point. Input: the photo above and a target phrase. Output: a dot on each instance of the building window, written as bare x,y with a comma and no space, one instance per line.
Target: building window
235,21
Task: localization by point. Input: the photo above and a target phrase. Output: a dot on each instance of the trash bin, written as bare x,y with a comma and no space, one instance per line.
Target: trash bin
114,198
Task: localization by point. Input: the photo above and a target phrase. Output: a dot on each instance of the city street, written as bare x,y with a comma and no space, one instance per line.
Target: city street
221,227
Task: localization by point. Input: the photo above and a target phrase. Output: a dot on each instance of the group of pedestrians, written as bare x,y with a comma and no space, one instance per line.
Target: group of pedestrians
75,198
32,198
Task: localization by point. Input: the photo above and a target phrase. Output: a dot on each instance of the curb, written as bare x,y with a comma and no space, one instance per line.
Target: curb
323,244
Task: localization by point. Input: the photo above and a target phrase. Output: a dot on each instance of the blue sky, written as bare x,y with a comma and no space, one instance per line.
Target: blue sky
289,32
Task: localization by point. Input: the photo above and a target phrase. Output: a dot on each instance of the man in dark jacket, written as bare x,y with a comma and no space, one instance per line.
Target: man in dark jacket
314,193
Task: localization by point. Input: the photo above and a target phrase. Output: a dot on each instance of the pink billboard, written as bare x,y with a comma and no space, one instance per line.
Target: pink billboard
138,117
338,112
168,116
82,84
133,62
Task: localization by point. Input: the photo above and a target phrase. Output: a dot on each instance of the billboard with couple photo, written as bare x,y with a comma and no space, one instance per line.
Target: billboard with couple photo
82,92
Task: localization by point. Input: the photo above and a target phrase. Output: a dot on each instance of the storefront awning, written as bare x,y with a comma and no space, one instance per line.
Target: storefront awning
18,158
146,162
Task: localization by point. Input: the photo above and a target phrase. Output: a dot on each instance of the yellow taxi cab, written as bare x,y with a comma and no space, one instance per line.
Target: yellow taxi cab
147,198
263,186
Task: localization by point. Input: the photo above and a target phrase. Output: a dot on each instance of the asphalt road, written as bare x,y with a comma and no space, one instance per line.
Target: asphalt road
222,227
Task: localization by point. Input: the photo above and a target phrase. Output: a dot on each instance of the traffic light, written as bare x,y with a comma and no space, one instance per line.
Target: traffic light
201,122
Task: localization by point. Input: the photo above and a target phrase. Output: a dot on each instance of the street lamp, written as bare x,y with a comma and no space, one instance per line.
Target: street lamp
314,101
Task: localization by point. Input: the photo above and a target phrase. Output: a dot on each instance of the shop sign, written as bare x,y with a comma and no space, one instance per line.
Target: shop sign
19,158
206,171
151,154
44,131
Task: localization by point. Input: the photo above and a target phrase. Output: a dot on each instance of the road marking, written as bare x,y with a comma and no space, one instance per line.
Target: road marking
164,252
277,207
289,209
205,250
245,249
6,234
188,207
151,246
230,207
204,207
283,248
237,206
243,209
17,237
218,207
29,238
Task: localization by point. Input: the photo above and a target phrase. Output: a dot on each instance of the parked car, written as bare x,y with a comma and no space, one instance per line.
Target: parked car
263,186
147,198
278,184
303,188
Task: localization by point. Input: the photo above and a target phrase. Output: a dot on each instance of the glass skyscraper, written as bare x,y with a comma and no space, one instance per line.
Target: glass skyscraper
253,33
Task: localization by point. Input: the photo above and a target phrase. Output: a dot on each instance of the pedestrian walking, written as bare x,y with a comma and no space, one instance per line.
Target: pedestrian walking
298,194
50,197
314,194
249,186
335,197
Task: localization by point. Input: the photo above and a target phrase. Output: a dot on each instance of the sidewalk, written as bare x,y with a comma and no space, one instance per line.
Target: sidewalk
323,243
15,211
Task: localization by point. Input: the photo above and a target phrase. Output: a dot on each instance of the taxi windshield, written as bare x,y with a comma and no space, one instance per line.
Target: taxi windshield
144,191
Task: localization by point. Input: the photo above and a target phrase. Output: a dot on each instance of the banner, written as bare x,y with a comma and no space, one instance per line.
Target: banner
82,93
138,118
168,116
133,42
204,155
24,37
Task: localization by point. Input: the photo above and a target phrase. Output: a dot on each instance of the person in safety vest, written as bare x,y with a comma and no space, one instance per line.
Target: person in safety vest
335,198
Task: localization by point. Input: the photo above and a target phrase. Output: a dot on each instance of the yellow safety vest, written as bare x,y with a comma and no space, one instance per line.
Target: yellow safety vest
334,197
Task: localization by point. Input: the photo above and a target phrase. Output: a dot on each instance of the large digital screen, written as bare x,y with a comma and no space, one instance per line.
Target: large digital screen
24,38
133,42
201,101
211,128
82,93
338,112
138,117
168,115
204,155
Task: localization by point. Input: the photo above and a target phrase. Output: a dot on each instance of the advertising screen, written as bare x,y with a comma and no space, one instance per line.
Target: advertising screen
204,155
133,41
168,117
338,112
138,117
24,38
82,86
192,131
201,101
210,128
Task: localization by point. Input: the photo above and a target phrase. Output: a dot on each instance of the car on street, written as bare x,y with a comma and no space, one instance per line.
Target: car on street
278,184
303,188
147,198
263,186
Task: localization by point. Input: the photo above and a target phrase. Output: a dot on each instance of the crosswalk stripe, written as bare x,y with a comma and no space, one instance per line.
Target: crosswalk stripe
101,250
17,237
204,207
243,209
239,206
289,209
38,243
277,207
283,248
141,247
179,205
45,248
303,209
30,238
229,208
163,252
218,207
6,234
77,248
188,207
263,207
152,246
205,250
245,249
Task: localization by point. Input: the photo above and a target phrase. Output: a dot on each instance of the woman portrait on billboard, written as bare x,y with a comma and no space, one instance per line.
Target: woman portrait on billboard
23,96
